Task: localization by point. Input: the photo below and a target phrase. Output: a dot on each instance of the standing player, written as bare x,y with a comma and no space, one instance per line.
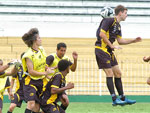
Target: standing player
4,81
52,61
18,97
55,88
34,65
110,30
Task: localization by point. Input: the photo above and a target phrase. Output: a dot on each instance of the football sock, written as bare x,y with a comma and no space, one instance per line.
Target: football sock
9,112
122,97
118,84
36,112
28,111
110,86
63,107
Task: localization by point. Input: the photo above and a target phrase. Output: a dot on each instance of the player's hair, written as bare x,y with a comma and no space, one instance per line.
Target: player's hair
120,8
63,65
59,45
1,61
22,55
30,36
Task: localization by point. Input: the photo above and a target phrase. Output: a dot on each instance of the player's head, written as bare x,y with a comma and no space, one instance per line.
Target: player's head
63,65
32,37
1,62
61,49
121,11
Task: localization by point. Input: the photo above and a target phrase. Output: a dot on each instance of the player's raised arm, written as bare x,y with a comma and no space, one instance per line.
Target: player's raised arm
74,65
122,41
146,59
12,72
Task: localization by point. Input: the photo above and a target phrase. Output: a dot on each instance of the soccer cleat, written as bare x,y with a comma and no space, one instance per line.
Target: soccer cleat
118,102
128,101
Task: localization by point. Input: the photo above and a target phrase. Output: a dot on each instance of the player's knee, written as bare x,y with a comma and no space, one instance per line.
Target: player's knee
66,103
30,105
109,73
119,74
0,110
12,107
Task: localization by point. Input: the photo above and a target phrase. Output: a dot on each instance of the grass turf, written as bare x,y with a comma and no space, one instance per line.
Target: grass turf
79,107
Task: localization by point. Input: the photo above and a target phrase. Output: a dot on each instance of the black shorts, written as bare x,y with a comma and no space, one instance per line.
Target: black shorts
1,103
52,108
104,60
33,90
18,99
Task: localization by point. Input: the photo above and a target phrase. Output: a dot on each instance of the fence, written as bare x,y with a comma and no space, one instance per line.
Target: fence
90,81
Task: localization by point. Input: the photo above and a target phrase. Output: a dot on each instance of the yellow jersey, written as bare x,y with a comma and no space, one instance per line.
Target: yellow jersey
38,59
55,62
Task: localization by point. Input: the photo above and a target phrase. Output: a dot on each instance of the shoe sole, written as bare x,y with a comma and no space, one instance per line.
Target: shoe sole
130,103
122,104
119,104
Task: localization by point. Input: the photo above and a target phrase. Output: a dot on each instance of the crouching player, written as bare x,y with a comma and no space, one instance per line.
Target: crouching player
55,88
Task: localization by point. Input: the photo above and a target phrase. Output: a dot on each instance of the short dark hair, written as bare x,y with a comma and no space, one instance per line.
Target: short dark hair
22,55
1,61
59,45
30,36
63,65
120,8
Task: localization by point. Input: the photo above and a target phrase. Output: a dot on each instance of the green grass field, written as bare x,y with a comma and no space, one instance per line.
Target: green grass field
90,107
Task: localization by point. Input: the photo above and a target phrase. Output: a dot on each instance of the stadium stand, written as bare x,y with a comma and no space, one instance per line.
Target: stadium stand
82,14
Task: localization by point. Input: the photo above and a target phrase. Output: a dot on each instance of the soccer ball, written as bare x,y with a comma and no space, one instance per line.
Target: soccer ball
106,12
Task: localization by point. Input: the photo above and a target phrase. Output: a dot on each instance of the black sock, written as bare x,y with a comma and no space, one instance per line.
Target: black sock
9,112
63,107
118,84
36,112
28,111
122,97
110,86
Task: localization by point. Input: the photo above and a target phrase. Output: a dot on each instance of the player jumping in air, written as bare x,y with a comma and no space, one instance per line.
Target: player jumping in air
108,31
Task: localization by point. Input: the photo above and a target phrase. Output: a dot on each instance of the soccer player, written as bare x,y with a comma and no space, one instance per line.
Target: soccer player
55,88
52,61
34,67
147,59
18,96
108,31
4,81
4,84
